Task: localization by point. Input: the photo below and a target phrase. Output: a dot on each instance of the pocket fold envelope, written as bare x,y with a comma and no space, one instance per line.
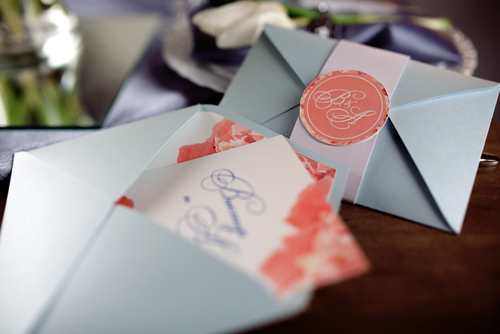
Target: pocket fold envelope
74,256
421,165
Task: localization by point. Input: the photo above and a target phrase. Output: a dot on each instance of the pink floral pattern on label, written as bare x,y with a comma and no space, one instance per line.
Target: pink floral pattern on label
321,252
344,107
323,174
225,135
125,201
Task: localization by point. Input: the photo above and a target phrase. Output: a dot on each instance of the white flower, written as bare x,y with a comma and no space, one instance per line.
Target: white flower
240,23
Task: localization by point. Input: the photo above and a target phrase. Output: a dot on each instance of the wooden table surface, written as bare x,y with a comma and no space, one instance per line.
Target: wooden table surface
422,281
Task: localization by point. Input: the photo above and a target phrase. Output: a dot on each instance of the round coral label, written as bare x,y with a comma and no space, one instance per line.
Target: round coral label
344,107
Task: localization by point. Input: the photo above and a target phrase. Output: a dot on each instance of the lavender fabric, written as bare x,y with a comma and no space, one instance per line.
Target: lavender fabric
419,43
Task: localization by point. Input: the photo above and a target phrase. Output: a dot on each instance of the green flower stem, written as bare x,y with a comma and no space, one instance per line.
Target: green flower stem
11,14
30,100
54,98
294,11
34,7
434,23
28,97
14,106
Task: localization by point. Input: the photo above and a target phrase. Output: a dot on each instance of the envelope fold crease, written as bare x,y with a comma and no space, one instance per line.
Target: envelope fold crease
40,237
164,283
251,97
284,122
421,81
393,184
297,51
445,137
132,145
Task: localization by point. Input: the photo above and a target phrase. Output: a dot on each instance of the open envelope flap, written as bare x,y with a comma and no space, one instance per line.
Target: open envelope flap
445,137
84,177
285,69
41,236
141,278
297,51
421,81
97,160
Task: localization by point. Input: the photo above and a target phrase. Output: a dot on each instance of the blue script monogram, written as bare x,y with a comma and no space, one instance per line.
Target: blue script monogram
201,220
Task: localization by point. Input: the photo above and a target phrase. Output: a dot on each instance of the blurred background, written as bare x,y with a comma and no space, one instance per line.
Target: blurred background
479,20
59,100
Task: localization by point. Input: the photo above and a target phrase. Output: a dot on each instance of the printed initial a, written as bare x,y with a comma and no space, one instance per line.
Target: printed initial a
345,112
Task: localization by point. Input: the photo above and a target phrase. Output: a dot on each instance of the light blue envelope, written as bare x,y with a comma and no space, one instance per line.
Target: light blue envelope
425,159
73,262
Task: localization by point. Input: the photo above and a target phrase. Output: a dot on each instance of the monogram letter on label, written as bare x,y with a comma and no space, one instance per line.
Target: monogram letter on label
344,107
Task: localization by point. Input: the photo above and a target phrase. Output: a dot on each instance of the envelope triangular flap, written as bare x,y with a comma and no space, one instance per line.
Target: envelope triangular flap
41,235
393,184
141,278
266,84
98,159
284,123
421,81
445,137
304,52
